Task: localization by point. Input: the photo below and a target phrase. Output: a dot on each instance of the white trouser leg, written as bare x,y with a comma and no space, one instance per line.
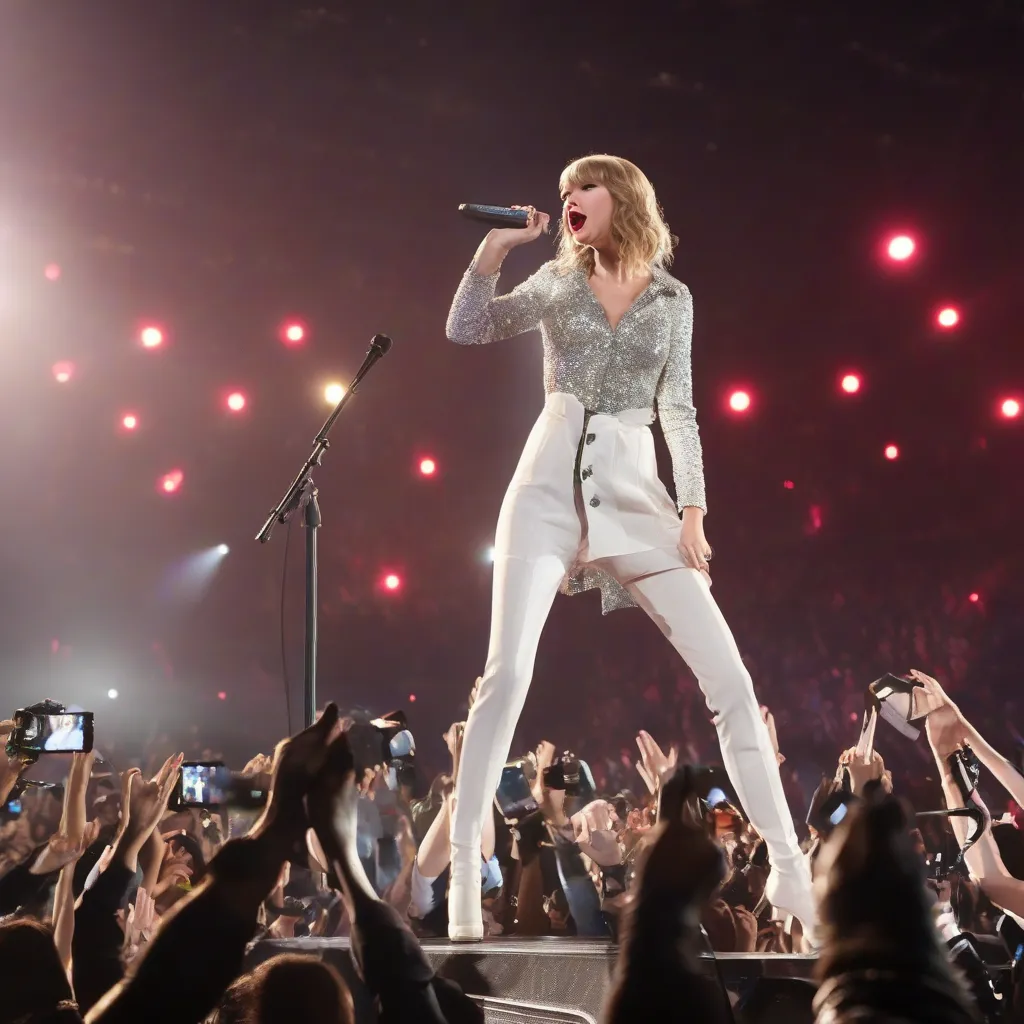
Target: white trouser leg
524,590
680,602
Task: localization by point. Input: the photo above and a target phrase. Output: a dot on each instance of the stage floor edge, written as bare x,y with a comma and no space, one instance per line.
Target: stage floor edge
543,979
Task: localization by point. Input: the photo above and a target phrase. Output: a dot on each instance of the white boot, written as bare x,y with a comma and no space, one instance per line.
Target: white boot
465,916
680,602
789,889
749,759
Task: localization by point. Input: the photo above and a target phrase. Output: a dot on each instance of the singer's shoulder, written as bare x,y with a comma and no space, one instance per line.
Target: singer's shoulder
671,285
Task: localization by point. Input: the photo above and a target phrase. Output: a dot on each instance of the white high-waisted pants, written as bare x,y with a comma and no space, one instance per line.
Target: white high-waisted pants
538,541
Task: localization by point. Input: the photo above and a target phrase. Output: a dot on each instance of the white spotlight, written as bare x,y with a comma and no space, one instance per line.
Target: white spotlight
222,549
489,554
112,694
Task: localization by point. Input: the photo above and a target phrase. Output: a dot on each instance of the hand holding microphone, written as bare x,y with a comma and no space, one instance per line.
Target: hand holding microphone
507,238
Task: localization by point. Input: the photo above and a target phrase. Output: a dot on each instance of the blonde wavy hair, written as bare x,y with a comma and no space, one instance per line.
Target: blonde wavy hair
638,226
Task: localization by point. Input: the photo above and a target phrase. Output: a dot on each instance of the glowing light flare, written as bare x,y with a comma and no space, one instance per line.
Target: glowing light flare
391,582
236,401
293,333
428,467
221,695
171,482
52,272
974,598
63,372
112,693
412,698
891,452
129,421
334,392
850,383
788,484
947,317
1009,408
151,337
739,401
900,248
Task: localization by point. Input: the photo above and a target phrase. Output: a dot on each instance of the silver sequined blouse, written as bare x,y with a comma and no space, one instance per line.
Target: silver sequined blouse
643,364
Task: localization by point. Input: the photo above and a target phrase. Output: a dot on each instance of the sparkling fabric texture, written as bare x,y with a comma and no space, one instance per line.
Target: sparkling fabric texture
643,363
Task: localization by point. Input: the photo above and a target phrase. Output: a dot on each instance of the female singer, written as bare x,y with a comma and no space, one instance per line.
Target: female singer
586,507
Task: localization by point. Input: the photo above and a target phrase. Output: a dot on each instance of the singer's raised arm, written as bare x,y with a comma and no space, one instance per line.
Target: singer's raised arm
478,316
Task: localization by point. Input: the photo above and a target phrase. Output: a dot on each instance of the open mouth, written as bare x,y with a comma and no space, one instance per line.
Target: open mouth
576,220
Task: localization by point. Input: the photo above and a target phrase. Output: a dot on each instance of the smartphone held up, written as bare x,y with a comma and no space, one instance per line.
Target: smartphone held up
211,785
49,728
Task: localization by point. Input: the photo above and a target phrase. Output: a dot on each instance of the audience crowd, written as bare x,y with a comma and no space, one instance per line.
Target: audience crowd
120,904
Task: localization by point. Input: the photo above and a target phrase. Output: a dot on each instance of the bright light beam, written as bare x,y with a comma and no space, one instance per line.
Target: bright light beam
188,579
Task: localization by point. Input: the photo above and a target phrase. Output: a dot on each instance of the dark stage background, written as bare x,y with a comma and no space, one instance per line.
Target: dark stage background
218,168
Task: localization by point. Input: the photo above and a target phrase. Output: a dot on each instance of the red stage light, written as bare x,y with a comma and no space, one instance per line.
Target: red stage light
739,401
900,248
974,598
392,582
222,695
947,317
170,482
52,272
63,372
892,452
1010,408
850,383
129,421
151,337
236,401
788,484
412,698
428,467
293,333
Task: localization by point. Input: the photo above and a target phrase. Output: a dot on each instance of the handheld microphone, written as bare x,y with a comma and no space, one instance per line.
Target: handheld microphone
495,216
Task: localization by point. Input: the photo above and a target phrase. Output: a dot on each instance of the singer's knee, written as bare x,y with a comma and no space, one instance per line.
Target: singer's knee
729,692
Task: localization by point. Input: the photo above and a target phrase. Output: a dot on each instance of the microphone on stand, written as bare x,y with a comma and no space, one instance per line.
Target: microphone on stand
495,216
379,346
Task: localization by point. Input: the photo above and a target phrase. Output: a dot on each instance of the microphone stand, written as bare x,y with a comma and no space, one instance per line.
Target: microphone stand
302,493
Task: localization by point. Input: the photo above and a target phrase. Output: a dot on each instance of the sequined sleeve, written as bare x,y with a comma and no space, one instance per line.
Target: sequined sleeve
677,414
478,316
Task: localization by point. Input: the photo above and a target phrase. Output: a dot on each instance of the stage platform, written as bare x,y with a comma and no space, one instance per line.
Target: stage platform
529,981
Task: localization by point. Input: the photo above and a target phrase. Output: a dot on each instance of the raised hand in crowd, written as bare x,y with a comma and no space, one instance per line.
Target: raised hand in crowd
654,763
954,743
213,923
11,766
147,804
62,849
881,957
174,868
139,924
550,802
657,964
863,772
962,732
74,836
